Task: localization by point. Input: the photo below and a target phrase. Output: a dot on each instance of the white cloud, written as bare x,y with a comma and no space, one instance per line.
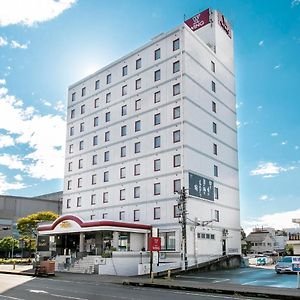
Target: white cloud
265,198
3,41
261,43
259,108
2,81
59,106
283,143
239,104
6,141
295,3
238,123
31,12
296,147
269,170
18,177
276,67
43,136
279,220
14,44
6,186
46,102
274,134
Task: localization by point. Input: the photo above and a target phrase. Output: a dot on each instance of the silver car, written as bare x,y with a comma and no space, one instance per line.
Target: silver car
284,265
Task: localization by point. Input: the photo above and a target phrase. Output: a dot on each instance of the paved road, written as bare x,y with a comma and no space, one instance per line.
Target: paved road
246,276
17,287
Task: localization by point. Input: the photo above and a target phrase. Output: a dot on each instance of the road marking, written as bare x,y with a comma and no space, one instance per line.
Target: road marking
55,295
249,282
38,291
13,298
221,280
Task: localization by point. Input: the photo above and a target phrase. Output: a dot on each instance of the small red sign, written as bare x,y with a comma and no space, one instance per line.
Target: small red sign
155,244
198,20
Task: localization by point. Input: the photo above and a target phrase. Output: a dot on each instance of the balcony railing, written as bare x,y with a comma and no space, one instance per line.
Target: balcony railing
294,237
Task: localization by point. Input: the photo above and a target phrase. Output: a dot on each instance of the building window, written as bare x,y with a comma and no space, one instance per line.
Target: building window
79,182
94,159
176,45
156,189
69,185
137,169
68,203
217,216
124,70
123,130
136,192
137,126
107,116
123,151
95,140
124,90
93,199
138,63
122,215
122,194
97,84
136,215
124,110
106,156
157,97
167,240
138,104
176,136
73,97
96,121
106,136
70,166
216,193
156,165
108,97
176,66
82,109
137,147
78,201
71,148
157,54
96,103
81,145
216,171
213,86
108,79
214,126
215,149
71,130
176,112
72,114
177,211
176,89
105,176
157,119
122,172
81,127
105,197
176,160
80,163
157,75
83,92
94,179
156,213
214,106
176,185
213,66
138,84
157,142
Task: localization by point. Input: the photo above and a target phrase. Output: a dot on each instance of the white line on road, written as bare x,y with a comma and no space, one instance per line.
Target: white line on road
55,295
13,298
220,280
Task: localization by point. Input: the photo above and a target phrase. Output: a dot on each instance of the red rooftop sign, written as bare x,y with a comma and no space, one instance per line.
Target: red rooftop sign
224,24
154,244
198,20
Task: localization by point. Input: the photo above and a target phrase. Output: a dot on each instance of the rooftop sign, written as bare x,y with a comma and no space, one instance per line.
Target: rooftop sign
201,187
224,24
198,20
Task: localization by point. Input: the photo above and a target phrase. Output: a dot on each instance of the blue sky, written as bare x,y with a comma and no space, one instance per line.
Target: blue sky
47,45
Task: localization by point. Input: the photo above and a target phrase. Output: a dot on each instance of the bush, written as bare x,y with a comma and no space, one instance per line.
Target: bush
17,261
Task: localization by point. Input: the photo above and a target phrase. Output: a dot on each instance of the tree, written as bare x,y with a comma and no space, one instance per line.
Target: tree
8,243
27,226
289,249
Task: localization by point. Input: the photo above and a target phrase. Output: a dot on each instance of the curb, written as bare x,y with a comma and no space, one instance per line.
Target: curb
17,273
216,290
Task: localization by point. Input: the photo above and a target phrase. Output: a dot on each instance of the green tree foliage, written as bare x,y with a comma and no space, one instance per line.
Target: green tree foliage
289,249
8,243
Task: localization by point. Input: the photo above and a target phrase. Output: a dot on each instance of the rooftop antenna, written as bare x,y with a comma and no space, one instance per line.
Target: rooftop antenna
184,17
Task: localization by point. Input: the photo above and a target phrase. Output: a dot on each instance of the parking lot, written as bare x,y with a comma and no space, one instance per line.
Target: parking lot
244,276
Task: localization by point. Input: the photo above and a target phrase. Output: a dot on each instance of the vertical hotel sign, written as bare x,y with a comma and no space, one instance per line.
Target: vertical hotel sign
224,24
198,20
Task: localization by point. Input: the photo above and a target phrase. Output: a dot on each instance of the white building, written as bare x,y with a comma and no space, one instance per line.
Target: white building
161,118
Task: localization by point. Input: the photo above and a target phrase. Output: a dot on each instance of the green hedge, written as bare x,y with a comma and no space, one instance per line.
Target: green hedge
15,260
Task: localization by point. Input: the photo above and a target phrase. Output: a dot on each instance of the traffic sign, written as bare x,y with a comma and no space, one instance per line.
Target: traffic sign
155,244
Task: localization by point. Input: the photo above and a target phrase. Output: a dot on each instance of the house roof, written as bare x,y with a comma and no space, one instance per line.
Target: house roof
257,236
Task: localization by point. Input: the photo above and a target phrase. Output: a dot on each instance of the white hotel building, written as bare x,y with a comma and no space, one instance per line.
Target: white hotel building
138,130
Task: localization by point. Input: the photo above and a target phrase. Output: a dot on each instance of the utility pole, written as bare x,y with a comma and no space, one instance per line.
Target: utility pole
182,207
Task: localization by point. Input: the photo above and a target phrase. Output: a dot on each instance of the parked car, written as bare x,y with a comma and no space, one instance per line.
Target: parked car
284,265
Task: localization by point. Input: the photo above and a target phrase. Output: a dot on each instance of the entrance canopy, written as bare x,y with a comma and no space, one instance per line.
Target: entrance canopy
74,224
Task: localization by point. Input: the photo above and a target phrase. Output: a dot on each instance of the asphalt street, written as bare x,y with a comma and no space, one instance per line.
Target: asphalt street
245,276
18,287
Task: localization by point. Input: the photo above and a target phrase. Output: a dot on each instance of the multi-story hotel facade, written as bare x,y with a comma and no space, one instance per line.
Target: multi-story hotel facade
159,119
